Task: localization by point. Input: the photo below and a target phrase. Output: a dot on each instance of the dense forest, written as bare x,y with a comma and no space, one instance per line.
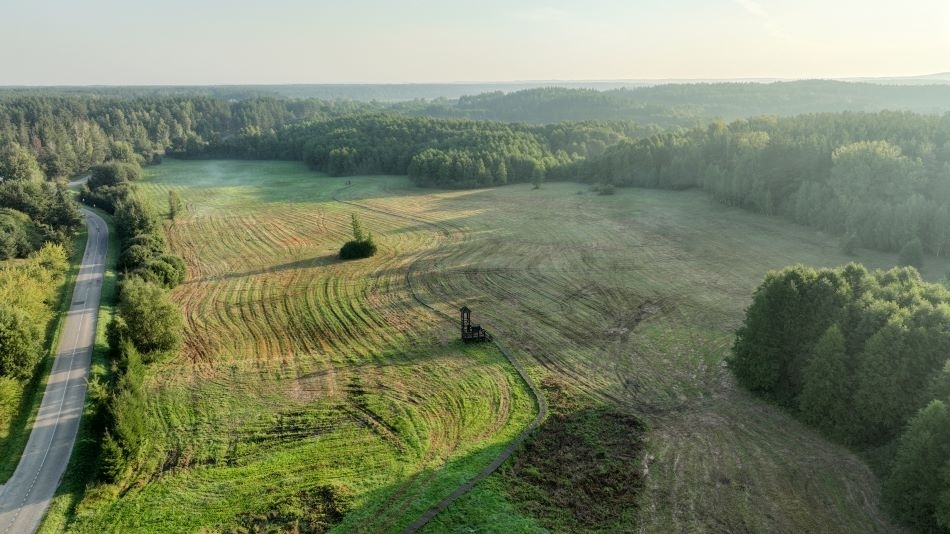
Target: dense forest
675,104
880,179
665,104
863,357
433,152
684,104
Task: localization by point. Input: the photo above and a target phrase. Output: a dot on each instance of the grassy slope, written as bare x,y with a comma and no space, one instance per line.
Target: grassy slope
301,371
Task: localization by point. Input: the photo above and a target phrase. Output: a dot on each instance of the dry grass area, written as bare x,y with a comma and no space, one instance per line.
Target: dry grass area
302,375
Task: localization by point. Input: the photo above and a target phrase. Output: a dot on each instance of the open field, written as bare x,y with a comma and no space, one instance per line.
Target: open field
634,299
307,383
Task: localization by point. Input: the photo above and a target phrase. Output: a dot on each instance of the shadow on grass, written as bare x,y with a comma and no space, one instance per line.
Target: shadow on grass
579,472
315,261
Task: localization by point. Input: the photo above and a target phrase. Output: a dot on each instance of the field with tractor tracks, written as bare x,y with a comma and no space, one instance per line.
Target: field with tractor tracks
322,394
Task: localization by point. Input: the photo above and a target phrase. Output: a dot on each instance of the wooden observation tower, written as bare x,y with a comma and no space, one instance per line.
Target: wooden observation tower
471,333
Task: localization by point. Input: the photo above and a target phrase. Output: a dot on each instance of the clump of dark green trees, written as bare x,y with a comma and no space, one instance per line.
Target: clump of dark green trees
32,210
865,357
362,244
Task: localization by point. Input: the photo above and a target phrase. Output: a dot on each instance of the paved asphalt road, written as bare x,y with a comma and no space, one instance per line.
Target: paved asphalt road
26,496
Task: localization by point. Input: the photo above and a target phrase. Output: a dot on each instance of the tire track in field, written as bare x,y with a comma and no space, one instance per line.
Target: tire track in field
449,234
255,315
747,459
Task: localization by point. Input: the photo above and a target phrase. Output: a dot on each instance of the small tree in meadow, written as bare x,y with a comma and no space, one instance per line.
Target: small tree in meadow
359,234
362,245
174,204
537,178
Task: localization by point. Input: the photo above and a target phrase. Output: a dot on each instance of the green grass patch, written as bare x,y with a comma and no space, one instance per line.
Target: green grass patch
302,376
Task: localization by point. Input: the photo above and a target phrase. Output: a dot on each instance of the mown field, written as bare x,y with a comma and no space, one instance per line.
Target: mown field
307,387
321,393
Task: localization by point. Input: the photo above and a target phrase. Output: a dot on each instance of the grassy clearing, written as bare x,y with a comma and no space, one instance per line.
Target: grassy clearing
16,432
304,377
633,299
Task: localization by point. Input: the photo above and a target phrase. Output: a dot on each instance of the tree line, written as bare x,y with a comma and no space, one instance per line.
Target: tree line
432,152
878,179
684,104
147,324
68,134
862,356
882,179
666,105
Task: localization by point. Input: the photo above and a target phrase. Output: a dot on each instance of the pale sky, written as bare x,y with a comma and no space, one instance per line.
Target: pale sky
129,42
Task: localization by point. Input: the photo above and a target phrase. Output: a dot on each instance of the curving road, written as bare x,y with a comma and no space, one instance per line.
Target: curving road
26,496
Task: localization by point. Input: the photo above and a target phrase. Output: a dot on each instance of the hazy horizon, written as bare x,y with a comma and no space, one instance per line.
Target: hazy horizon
212,42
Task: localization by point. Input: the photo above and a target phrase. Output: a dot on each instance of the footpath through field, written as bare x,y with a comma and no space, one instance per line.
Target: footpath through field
26,496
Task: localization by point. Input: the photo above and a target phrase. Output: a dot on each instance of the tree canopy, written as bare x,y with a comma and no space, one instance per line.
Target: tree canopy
863,356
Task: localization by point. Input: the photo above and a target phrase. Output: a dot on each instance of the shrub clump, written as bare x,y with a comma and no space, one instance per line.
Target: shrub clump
354,250
362,244
604,189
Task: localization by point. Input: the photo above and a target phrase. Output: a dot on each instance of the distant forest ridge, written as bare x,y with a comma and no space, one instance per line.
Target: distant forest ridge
664,104
881,179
